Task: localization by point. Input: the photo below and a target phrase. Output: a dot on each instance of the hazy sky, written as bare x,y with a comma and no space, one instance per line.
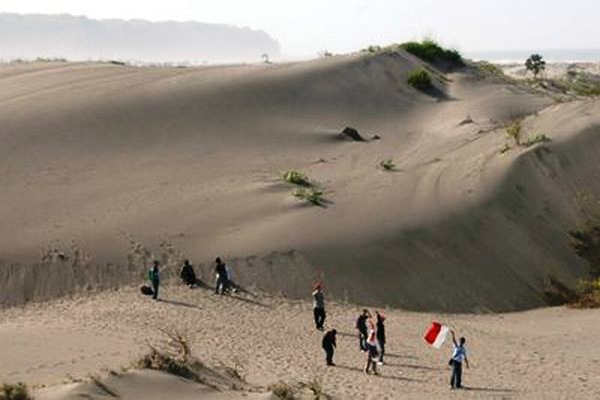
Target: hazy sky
304,27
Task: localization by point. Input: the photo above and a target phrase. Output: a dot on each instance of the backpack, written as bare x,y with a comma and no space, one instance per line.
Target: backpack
146,290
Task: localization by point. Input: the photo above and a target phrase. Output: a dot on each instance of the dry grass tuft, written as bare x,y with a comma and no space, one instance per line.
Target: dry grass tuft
14,392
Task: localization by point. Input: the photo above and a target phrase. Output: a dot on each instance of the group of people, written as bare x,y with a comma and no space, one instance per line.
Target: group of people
372,339
371,331
224,278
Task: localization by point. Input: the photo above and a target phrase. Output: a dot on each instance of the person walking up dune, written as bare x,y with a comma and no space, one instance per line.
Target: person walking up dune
381,335
459,355
361,327
154,277
319,306
329,345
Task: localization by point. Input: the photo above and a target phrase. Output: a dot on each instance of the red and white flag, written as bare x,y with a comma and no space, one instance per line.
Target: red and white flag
436,334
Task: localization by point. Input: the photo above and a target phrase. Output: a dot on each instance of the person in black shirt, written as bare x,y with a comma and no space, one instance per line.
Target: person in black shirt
329,346
361,327
188,276
381,334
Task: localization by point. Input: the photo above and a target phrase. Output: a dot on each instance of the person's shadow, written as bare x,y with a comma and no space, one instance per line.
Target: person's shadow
179,303
485,389
390,377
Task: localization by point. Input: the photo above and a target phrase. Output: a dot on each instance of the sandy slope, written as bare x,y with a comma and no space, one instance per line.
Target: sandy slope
542,354
93,153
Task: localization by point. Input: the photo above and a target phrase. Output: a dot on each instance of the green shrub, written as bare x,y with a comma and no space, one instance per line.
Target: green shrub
14,392
311,195
388,165
430,51
296,178
587,294
513,131
539,138
419,79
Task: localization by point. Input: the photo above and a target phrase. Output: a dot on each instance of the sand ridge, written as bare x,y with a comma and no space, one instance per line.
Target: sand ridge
95,153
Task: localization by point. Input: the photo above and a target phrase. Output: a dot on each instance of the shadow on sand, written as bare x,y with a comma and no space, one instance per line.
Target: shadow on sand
412,366
490,390
179,303
391,355
382,376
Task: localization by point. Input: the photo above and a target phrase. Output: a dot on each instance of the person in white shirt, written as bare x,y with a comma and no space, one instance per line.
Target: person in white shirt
372,353
459,355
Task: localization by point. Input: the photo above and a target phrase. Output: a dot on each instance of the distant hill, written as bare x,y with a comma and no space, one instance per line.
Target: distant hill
81,38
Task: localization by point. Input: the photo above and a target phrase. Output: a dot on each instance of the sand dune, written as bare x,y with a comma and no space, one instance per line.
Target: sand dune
541,354
97,154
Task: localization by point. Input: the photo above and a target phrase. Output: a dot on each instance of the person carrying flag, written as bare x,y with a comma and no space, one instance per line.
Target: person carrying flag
459,355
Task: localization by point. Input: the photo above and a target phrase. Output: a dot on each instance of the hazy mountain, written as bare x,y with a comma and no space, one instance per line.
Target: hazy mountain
81,38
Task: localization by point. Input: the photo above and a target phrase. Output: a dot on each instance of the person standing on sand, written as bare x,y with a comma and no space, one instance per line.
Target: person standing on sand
154,277
221,272
329,346
458,356
361,327
381,335
371,347
319,306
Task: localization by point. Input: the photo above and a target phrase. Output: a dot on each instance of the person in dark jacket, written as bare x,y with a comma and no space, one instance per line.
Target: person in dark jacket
154,276
381,335
221,272
188,276
329,346
361,327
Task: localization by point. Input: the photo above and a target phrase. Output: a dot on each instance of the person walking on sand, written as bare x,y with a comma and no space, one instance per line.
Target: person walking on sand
381,335
459,355
361,327
319,306
154,277
329,346
371,347
221,272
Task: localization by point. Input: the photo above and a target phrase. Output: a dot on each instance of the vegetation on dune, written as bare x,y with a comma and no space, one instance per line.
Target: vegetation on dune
174,356
388,165
283,391
14,392
427,50
419,79
586,242
578,83
587,294
430,51
536,64
513,131
311,390
537,138
487,70
296,178
311,195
